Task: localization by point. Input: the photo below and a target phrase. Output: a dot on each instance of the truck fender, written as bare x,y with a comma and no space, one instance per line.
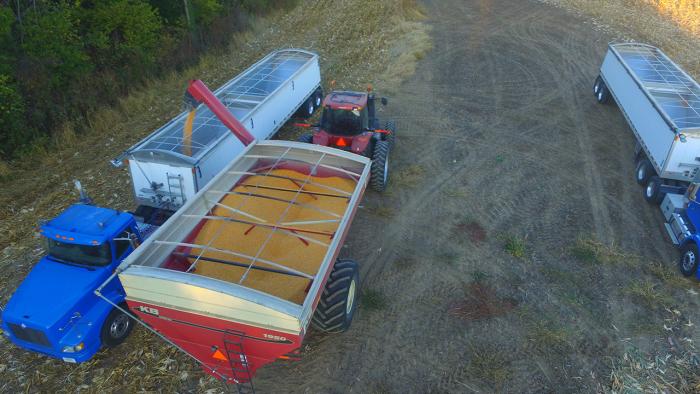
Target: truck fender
360,142
692,239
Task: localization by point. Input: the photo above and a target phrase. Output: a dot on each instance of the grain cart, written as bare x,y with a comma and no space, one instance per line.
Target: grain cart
235,276
349,122
662,106
169,166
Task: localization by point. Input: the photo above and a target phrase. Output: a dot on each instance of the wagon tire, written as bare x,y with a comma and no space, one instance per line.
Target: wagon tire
338,302
307,109
116,328
688,262
644,171
318,97
600,90
652,190
379,172
307,138
391,138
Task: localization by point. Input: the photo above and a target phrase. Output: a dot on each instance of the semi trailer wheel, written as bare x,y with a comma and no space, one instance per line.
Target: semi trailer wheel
391,138
318,97
601,92
308,138
652,191
116,328
307,109
644,171
339,299
379,172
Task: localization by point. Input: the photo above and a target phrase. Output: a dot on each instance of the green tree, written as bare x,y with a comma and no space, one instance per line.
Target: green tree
53,46
13,133
123,34
7,47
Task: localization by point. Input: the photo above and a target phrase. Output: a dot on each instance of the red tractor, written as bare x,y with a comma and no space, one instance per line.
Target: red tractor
349,122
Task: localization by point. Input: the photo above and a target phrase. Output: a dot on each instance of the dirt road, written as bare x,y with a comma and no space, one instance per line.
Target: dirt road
500,143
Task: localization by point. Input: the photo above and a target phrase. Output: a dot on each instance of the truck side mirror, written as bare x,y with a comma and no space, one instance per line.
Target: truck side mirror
385,101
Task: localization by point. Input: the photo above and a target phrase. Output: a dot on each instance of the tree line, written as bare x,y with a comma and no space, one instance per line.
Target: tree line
61,59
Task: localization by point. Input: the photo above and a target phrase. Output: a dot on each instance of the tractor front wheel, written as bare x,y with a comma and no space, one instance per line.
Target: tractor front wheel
379,173
339,299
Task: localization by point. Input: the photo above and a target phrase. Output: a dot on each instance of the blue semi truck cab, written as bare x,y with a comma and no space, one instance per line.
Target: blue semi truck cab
682,214
55,311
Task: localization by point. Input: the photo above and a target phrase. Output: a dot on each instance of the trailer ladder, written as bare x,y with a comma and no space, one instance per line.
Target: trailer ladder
233,343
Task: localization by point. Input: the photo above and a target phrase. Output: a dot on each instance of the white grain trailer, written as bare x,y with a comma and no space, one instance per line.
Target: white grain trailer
661,103
169,166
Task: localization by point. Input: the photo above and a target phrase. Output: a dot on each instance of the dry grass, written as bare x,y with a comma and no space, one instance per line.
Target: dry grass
590,251
355,41
686,13
372,300
489,364
672,25
648,294
409,176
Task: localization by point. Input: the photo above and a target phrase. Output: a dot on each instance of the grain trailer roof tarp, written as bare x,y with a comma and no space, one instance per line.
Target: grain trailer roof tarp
674,93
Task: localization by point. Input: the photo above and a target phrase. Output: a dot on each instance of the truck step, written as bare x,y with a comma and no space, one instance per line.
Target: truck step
673,237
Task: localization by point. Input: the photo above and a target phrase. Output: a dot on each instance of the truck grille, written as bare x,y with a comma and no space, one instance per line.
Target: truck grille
30,335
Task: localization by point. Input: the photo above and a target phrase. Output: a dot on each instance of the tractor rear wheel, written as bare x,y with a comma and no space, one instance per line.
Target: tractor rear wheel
339,299
379,172
307,138
391,138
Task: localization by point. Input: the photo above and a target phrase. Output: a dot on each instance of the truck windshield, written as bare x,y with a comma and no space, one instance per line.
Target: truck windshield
344,122
94,255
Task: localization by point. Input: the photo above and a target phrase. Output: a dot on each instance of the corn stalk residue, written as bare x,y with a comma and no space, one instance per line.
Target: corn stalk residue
685,13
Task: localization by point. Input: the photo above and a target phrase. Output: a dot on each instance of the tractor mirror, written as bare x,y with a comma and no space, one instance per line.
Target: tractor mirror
385,101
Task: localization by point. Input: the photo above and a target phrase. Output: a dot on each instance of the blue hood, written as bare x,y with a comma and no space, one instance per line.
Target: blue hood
51,291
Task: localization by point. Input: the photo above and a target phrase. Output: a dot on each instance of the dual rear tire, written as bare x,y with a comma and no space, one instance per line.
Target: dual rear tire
379,172
601,91
311,104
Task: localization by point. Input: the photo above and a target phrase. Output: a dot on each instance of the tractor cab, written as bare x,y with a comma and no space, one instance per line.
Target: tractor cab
345,113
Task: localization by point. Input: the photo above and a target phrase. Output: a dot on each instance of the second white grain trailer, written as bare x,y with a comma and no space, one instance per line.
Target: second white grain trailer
169,166
661,103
